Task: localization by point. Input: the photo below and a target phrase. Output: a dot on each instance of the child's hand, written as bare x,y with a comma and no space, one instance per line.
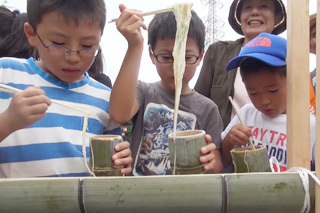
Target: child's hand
129,24
26,107
211,156
123,157
239,135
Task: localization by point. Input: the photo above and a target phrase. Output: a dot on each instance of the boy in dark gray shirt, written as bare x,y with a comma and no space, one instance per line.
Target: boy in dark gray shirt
150,105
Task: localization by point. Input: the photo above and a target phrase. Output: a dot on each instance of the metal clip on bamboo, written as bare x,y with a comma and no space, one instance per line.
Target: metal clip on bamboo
148,13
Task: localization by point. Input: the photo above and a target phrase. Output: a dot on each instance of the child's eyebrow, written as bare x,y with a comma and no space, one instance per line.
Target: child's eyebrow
89,37
165,51
192,50
273,85
251,89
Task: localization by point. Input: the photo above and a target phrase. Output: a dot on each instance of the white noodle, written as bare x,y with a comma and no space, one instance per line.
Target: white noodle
182,13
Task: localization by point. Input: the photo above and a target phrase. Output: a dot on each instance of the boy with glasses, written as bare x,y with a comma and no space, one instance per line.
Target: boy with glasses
150,105
40,138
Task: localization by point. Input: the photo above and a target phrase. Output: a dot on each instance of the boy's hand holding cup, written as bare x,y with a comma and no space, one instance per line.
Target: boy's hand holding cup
109,154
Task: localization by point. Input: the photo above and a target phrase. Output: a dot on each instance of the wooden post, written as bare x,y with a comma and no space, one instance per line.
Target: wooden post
317,147
298,98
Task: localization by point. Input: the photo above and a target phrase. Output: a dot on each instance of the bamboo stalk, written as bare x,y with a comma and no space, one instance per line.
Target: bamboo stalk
148,13
39,195
245,192
266,192
170,193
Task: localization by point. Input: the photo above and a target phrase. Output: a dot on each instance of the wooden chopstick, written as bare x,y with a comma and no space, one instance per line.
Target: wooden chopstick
237,112
149,13
9,89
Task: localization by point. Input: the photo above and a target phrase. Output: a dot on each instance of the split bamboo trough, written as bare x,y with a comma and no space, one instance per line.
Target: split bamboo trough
249,192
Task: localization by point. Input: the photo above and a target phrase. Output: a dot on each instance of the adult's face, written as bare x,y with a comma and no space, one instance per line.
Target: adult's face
257,16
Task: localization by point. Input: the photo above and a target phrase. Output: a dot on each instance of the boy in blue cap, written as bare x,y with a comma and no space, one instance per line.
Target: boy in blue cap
262,65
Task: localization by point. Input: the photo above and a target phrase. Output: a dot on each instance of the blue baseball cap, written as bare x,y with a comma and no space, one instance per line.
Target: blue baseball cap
268,48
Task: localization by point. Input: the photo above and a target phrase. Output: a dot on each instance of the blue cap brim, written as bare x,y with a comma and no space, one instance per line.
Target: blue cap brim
268,59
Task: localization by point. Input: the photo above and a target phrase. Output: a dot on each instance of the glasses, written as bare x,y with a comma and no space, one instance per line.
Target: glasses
168,59
60,50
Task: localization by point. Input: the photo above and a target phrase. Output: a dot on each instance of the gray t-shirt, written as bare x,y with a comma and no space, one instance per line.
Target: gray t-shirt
154,122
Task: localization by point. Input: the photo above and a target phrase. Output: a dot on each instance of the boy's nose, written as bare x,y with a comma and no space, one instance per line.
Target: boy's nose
73,57
265,100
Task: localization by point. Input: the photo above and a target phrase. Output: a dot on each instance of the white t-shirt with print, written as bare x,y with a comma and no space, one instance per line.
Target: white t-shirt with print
270,132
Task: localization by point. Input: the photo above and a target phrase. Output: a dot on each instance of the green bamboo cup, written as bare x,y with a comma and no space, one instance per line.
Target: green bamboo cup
186,148
246,159
102,149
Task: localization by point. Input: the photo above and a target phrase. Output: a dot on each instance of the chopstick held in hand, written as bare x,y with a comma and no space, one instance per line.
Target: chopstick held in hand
240,119
148,13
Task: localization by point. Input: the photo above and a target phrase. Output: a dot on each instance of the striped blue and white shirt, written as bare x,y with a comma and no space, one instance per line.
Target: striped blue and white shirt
52,147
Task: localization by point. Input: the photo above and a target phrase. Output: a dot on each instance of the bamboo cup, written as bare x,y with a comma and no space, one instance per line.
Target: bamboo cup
246,159
187,151
102,149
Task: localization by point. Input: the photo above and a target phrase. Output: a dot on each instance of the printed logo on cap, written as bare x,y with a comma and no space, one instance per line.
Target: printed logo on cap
260,42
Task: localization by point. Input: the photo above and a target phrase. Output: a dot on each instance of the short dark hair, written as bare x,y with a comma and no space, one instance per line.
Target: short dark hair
97,66
164,26
6,19
16,43
74,10
251,66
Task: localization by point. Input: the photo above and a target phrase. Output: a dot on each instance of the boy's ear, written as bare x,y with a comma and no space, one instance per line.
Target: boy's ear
151,55
31,35
200,57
